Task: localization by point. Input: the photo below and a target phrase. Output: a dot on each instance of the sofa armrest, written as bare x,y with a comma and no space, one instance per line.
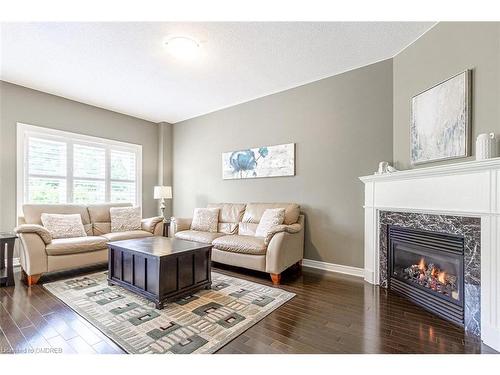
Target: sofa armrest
36,229
178,224
33,256
158,231
292,228
285,247
149,224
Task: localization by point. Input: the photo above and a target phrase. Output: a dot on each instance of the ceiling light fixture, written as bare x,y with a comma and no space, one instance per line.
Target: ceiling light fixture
183,48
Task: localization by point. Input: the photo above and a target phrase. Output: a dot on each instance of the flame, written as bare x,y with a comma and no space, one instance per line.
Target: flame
421,265
435,272
442,277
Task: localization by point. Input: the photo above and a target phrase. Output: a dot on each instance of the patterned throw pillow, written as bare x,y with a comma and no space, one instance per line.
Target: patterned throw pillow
124,219
270,218
205,219
63,225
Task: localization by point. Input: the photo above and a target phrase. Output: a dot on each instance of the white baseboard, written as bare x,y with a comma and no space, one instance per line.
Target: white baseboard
339,268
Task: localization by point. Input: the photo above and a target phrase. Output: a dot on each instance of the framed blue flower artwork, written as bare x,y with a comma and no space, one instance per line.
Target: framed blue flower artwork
268,161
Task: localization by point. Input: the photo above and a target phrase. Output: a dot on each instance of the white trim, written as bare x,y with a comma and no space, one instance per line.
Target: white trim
332,267
437,211
440,170
70,138
20,170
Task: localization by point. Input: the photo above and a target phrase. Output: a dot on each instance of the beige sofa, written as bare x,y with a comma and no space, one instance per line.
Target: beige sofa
40,253
235,242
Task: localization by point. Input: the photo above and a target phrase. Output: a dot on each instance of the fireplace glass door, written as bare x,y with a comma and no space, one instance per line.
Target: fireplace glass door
436,272
428,268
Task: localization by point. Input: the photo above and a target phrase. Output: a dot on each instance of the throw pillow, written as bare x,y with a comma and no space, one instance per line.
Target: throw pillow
270,218
124,219
205,219
63,225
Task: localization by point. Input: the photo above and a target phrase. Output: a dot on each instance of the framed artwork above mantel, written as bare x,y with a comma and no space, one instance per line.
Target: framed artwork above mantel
440,124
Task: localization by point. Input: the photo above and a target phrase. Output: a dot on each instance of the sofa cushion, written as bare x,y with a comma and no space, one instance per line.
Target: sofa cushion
229,212
99,213
241,244
227,228
63,225
131,234
88,229
230,215
125,219
247,229
205,219
65,246
254,212
33,212
101,228
271,218
197,236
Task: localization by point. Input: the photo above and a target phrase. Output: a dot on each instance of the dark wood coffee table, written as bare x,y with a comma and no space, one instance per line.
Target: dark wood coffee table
160,269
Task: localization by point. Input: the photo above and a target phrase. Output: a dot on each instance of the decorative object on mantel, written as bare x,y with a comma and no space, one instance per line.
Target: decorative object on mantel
486,146
270,161
163,192
440,121
384,167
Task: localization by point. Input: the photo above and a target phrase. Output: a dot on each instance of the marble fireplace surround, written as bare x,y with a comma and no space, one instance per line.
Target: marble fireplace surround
467,191
468,227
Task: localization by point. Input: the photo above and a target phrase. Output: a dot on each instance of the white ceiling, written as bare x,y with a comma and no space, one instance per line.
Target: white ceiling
124,66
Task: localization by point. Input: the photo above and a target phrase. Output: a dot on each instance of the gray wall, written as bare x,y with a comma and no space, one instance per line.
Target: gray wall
342,127
20,104
445,50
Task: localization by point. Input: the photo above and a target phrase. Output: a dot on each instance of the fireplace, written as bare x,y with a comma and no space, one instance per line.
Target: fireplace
460,198
428,268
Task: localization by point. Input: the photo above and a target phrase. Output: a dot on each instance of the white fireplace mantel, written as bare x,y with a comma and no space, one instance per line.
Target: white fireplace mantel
463,189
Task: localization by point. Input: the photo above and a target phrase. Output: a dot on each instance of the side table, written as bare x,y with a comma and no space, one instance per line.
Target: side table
7,241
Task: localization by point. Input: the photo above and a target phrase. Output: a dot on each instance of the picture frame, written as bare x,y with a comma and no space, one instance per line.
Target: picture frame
259,162
440,121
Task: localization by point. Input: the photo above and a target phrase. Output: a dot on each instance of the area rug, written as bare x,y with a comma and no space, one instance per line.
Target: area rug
199,323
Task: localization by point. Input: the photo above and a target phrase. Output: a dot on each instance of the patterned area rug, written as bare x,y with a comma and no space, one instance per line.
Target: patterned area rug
200,323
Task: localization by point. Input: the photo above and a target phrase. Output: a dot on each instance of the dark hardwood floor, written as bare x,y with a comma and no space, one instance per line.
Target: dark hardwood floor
331,313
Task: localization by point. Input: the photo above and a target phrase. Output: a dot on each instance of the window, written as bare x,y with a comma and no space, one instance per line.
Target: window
61,167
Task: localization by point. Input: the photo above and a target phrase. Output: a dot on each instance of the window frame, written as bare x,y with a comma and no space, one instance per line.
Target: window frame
24,131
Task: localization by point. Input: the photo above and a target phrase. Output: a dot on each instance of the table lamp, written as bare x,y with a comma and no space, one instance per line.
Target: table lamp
163,192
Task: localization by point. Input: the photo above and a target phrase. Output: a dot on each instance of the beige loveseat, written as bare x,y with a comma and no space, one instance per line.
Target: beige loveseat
40,253
235,242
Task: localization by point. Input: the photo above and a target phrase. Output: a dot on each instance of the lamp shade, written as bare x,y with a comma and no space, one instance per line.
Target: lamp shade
163,192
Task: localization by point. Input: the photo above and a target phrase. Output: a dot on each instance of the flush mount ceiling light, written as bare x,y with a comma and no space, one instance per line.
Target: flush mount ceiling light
183,48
